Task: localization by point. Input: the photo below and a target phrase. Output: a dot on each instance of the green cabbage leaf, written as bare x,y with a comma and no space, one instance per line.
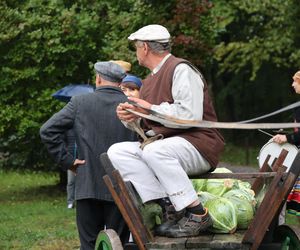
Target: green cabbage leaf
199,184
245,194
205,196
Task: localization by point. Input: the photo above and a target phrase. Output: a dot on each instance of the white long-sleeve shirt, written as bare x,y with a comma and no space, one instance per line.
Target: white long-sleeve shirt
187,93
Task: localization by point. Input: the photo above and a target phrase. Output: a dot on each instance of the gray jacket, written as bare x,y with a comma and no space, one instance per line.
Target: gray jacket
96,126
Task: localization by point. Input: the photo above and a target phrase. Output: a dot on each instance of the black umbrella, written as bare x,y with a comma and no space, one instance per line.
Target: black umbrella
70,90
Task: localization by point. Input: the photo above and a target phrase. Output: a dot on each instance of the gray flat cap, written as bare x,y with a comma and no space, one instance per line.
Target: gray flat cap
110,71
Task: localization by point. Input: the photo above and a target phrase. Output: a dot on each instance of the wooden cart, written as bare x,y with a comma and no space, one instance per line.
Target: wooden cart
263,232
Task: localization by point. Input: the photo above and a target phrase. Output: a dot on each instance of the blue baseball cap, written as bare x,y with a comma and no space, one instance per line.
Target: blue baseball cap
134,79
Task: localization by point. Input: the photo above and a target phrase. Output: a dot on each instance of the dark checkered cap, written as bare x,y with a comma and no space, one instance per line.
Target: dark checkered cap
110,71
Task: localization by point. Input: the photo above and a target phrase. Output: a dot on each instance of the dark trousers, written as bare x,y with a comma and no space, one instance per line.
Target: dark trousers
92,215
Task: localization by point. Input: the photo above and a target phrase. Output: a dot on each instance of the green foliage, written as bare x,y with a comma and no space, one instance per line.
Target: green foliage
45,45
193,27
258,32
241,46
239,155
257,54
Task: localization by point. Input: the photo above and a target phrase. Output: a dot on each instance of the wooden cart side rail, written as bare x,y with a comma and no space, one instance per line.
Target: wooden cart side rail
274,198
277,162
128,219
126,205
129,199
234,175
259,182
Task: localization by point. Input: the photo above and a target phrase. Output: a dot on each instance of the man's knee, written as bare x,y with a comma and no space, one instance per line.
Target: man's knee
113,151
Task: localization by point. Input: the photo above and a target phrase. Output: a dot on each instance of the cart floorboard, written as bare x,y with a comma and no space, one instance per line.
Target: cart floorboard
203,241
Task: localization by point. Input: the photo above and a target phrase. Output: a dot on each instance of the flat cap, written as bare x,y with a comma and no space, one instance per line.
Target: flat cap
152,32
110,71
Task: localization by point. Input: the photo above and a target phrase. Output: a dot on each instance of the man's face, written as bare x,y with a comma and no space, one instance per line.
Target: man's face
296,84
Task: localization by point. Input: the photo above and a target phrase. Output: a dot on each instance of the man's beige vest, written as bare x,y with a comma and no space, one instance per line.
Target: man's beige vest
157,88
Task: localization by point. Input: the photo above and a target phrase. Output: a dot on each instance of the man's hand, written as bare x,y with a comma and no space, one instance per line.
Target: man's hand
280,139
126,116
75,165
123,114
141,102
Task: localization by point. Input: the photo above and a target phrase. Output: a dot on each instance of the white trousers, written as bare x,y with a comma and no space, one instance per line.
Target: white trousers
161,169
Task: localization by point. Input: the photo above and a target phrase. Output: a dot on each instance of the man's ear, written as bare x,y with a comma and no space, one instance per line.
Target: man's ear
98,79
146,48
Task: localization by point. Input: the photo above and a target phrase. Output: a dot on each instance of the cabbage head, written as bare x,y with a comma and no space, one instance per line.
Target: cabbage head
245,194
199,184
223,215
205,196
151,214
220,186
244,212
222,170
242,185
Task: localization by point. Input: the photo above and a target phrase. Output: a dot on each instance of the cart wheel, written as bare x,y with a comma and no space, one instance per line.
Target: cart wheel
108,240
289,236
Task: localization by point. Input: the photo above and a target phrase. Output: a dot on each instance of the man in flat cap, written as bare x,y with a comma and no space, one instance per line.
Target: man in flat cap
160,171
96,127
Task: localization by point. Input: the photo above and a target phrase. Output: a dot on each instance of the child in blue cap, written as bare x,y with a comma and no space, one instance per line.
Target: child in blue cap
131,85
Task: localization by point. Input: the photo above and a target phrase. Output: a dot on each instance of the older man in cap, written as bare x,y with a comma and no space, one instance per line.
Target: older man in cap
176,88
96,127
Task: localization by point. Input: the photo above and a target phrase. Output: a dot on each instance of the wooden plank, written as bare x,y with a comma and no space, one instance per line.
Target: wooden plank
217,241
108,167
259,182
203,241
138,238
280,160
234,175
276,195
166,243
133,221
230,241
130,204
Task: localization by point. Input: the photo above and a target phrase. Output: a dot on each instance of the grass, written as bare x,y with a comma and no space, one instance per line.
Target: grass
33,213
240,156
